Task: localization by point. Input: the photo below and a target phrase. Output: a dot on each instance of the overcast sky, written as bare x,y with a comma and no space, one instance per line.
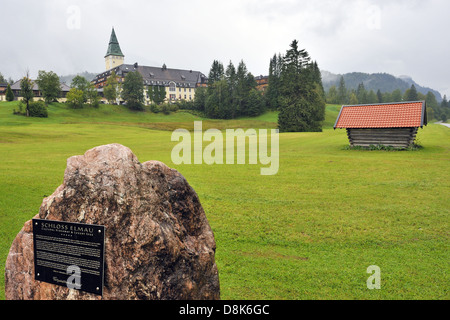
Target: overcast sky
400,37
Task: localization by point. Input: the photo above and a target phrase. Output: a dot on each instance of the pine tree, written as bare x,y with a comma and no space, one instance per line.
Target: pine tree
217,102
396,96
353,99
274,88
302,107
9,93
372,97
379,96
332,96
342,92
317,79
411,94
361,94
216,73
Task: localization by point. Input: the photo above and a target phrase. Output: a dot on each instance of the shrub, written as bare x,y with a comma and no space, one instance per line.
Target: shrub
38,109
165,108
173,107
154,108
75,98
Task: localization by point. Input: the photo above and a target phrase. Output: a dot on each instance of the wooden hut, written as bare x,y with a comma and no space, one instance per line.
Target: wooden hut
387,124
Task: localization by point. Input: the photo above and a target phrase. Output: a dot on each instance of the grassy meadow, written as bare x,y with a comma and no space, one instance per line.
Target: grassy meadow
309,232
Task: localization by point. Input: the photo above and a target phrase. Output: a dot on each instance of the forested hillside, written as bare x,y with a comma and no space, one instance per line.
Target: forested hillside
376,81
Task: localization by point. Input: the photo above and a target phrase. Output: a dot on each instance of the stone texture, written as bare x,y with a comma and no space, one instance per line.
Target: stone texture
158,244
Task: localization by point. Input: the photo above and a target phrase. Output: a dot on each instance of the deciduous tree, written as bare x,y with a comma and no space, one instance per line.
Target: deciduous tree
133,91
26,92
49,85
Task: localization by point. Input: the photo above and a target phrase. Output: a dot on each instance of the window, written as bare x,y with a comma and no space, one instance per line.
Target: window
172,87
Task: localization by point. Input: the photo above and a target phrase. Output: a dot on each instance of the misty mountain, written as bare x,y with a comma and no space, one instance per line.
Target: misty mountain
68,79
382,81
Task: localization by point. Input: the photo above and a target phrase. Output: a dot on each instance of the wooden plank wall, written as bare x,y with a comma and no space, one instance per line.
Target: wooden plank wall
395,137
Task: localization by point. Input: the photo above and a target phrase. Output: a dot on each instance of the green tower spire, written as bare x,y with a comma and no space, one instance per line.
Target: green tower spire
114,47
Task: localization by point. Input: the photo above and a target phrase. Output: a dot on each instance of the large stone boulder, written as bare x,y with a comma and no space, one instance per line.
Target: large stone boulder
158,242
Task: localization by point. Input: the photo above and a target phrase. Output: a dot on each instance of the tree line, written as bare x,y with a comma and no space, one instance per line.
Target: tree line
231,93
342,95
294,89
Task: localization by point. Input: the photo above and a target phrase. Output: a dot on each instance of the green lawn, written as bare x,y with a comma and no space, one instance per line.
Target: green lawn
309,232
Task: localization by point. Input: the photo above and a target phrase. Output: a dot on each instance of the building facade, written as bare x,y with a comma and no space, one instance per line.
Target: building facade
262,82
179,84
3,87
15,87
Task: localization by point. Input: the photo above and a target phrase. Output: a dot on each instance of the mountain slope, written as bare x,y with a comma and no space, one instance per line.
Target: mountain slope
382,81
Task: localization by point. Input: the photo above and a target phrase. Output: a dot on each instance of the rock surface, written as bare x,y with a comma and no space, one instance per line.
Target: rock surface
158,242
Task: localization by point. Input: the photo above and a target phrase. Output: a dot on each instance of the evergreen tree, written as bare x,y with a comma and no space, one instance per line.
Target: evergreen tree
200,99
255,103
379,96
317,79
216,73
342,92
353,100
332,96
396,96
274,88
231,78
302,107
9,93
411,94
229,94
387,97
217,102
445,103
361,94
245,82
432,105
2,79
444,110
372,97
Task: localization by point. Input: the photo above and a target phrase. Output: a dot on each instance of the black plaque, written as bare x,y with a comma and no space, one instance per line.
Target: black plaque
69,254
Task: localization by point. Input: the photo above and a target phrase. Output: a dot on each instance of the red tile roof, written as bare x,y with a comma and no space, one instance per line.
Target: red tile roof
388,115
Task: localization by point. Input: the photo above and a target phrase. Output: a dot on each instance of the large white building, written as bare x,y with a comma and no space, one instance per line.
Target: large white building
179,84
